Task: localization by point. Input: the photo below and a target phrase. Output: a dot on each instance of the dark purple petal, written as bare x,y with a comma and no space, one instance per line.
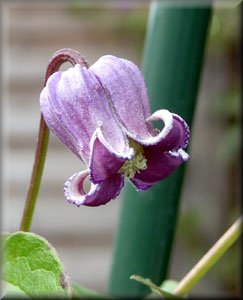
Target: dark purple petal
74,104
173,136
103,162
141,185
159,165
128,93
98,194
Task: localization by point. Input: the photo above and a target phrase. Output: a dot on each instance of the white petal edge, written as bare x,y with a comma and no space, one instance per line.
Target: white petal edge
98,134
166,117
183,155
72,191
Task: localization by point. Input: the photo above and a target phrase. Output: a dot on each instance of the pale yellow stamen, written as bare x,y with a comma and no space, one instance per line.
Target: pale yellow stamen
135,165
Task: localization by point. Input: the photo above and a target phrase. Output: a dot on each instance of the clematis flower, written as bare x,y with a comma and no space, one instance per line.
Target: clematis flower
102,114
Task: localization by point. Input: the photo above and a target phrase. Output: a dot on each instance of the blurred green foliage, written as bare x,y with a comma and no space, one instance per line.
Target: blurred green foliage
225,37
130,20
225,29
223,44
227,110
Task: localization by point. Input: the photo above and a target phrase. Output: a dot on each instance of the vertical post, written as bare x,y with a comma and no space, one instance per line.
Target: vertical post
173,57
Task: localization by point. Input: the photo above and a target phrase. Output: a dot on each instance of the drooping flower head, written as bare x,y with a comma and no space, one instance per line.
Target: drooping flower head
102,114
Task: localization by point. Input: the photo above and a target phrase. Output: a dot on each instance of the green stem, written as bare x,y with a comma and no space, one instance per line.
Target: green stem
36,175
59,57
209,259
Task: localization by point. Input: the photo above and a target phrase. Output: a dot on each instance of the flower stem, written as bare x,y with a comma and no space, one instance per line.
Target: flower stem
209,259
59,57
36,175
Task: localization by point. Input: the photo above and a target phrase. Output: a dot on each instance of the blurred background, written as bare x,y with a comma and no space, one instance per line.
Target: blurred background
83,237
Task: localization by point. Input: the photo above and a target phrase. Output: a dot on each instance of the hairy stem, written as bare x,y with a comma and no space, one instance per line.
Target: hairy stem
209,259
59,57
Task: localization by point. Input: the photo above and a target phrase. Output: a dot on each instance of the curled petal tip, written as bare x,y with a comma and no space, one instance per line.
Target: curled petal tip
174,135
104,161
99,193
180,154
74,188
185,130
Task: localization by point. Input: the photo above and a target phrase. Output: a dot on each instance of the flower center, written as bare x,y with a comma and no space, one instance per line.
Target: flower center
135,165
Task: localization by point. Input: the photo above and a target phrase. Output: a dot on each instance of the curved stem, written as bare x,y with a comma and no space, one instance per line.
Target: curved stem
59,57
209,259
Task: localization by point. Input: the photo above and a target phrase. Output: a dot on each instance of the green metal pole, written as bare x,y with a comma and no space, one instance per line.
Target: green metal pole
173,57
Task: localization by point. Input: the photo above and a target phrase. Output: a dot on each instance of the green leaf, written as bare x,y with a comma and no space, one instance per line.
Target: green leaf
154,287
32,265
